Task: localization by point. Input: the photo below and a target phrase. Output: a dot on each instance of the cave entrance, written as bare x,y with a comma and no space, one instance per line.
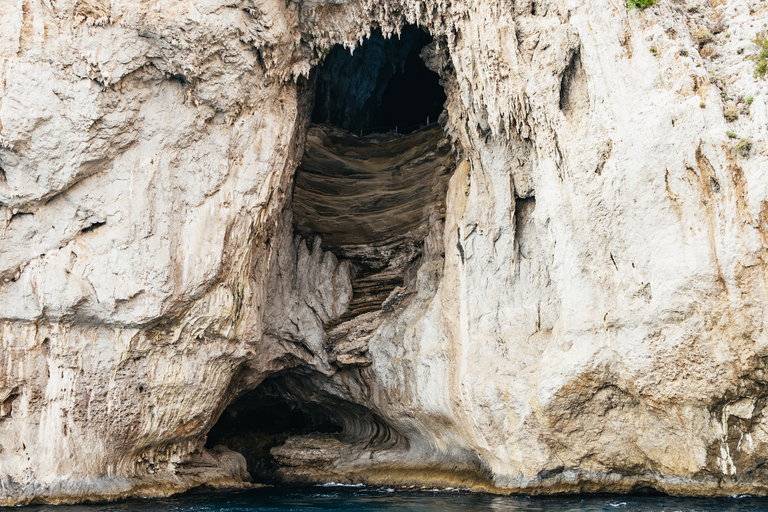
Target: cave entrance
293,428
283,406
383,86
374,175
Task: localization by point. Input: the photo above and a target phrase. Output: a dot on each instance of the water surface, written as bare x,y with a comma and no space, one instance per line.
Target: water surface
360,499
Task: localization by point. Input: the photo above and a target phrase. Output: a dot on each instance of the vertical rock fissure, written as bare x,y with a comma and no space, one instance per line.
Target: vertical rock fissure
368,195
366,190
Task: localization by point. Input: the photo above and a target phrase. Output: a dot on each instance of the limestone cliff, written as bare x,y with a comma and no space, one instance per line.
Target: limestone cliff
562,286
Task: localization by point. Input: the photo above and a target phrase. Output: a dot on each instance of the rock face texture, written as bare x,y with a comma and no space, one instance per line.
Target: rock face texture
575,299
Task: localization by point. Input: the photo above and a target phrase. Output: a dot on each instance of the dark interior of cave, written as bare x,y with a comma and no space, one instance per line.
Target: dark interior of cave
359,193
291,404
381,86
282,406
271,410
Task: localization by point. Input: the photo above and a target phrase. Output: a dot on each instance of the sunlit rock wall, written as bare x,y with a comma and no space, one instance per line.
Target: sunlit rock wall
146,152
588,316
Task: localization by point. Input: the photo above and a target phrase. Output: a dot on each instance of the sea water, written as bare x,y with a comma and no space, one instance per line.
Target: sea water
362,499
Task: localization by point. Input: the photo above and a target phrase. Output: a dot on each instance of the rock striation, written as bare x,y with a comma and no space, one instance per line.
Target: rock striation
561,287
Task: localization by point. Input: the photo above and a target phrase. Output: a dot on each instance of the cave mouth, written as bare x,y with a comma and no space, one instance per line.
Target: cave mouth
292,428
384,85
374,175
268,416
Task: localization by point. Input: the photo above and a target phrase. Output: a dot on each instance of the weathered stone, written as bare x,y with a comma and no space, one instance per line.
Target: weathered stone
585,313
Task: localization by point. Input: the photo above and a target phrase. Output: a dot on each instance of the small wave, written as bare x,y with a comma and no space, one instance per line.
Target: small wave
334,484
618,504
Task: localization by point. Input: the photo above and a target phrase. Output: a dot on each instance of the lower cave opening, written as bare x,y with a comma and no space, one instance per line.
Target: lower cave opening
290,429
282,406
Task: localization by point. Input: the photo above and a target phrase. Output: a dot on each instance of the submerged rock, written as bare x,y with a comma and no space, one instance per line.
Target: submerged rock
560,287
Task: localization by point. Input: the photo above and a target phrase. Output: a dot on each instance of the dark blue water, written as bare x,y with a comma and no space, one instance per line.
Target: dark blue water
384,500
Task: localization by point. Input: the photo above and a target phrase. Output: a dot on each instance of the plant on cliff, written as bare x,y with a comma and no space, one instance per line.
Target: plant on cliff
640,4
761,59
744,147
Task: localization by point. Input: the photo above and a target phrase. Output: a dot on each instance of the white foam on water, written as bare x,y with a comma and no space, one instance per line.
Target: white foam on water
334,484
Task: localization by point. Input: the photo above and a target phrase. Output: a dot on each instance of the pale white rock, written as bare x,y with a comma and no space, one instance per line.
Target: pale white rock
589,315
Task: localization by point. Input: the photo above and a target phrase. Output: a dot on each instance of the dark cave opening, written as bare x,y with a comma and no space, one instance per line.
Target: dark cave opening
382,86
271,410
412,97
293,421
373,177
282,406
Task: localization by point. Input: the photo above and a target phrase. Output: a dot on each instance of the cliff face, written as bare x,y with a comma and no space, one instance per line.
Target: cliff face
570,297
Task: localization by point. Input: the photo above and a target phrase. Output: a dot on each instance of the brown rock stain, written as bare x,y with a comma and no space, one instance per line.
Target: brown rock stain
26,34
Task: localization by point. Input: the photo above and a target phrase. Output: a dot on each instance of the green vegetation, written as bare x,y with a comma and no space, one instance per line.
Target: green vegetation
640,4
743,147
654,51
761,60
731,113
748,100
702,104
730,134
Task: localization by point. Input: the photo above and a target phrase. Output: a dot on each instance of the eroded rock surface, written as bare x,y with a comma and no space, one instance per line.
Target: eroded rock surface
585,312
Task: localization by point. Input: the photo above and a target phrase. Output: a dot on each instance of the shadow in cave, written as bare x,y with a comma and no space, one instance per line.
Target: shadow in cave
374,175
308,426
266,417
382,86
